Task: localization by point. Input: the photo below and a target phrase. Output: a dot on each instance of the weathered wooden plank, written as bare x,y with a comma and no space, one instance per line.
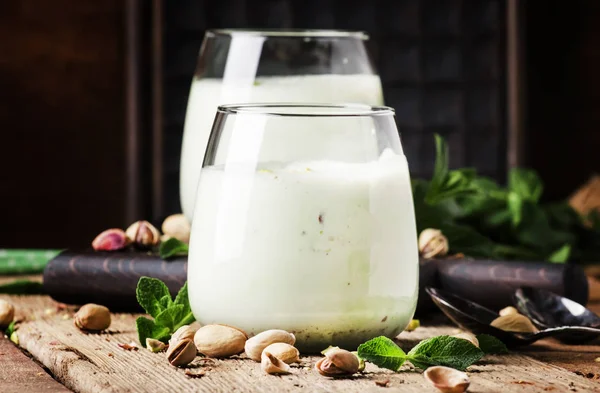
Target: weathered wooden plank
95,363
19,374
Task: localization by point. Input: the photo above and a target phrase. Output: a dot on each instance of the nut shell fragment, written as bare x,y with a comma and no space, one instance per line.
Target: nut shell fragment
338,363
256,345
514,323
184,332
446,379
508,310
469,337
285,352
220,341
92,317
273,365
143,234
7,314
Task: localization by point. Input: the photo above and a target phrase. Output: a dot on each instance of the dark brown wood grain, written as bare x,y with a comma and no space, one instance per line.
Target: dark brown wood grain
62,144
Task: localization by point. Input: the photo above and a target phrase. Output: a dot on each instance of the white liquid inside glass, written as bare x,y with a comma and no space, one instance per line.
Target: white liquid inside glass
207,94
324,249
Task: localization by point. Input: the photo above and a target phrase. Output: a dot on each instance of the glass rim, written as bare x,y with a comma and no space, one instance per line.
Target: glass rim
329,110
306,33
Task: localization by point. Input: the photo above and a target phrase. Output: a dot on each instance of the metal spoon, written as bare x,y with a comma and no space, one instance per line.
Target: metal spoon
476,318
549,310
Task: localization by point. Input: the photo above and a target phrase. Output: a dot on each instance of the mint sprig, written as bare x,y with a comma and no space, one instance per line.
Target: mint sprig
436,351
154,297
172,248
490,345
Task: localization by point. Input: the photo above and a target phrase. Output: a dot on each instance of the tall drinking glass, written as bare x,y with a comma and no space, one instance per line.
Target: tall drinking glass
248,66
305,222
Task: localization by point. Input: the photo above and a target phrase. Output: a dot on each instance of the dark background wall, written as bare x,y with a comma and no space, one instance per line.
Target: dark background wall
65,107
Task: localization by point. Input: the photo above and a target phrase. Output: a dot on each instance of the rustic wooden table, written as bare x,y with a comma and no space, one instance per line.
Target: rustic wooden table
54,356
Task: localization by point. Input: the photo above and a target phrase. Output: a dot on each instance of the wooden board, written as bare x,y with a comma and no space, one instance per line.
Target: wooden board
19,374
95,363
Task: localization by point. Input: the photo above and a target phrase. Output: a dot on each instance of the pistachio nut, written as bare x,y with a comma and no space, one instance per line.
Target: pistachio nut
508,310
92,317
338,363
220,341
256,345
285,352
446,379
177,226
111,240
514,323
7,314
181,353
143,234
186,331
469,337
155,345
433,243
273,365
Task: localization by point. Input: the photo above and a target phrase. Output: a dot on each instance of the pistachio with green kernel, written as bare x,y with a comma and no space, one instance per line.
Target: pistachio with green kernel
92,317
412,325
143,234
181,353
7,314
155,345
338,363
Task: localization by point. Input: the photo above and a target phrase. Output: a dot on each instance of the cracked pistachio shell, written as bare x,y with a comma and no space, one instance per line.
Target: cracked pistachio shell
273,365
514,323
93,317
7,314
181,353
337,363
256,345
446,379
284,352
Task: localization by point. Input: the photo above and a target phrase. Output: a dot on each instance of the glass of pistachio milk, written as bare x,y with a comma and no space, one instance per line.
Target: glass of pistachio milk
248,66
304,222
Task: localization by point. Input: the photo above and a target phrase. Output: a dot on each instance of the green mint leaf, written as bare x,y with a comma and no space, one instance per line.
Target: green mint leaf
515,206
444,351
490,345
151,293
382,352
185,315
169,317
526,183
148,329
172,248
10,329
561,255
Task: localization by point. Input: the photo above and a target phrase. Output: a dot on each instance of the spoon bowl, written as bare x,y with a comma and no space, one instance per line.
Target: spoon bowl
476,318
548,310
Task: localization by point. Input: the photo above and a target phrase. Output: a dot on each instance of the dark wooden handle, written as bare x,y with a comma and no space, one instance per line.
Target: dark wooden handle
111,278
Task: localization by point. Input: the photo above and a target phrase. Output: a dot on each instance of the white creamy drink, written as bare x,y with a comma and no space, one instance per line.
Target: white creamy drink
324,249
206,94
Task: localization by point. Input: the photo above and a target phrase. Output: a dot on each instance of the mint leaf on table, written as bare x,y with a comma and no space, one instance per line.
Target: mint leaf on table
561,255
172,248
525,183
382,352
23,287
10,329
490,345
444,351
153,295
